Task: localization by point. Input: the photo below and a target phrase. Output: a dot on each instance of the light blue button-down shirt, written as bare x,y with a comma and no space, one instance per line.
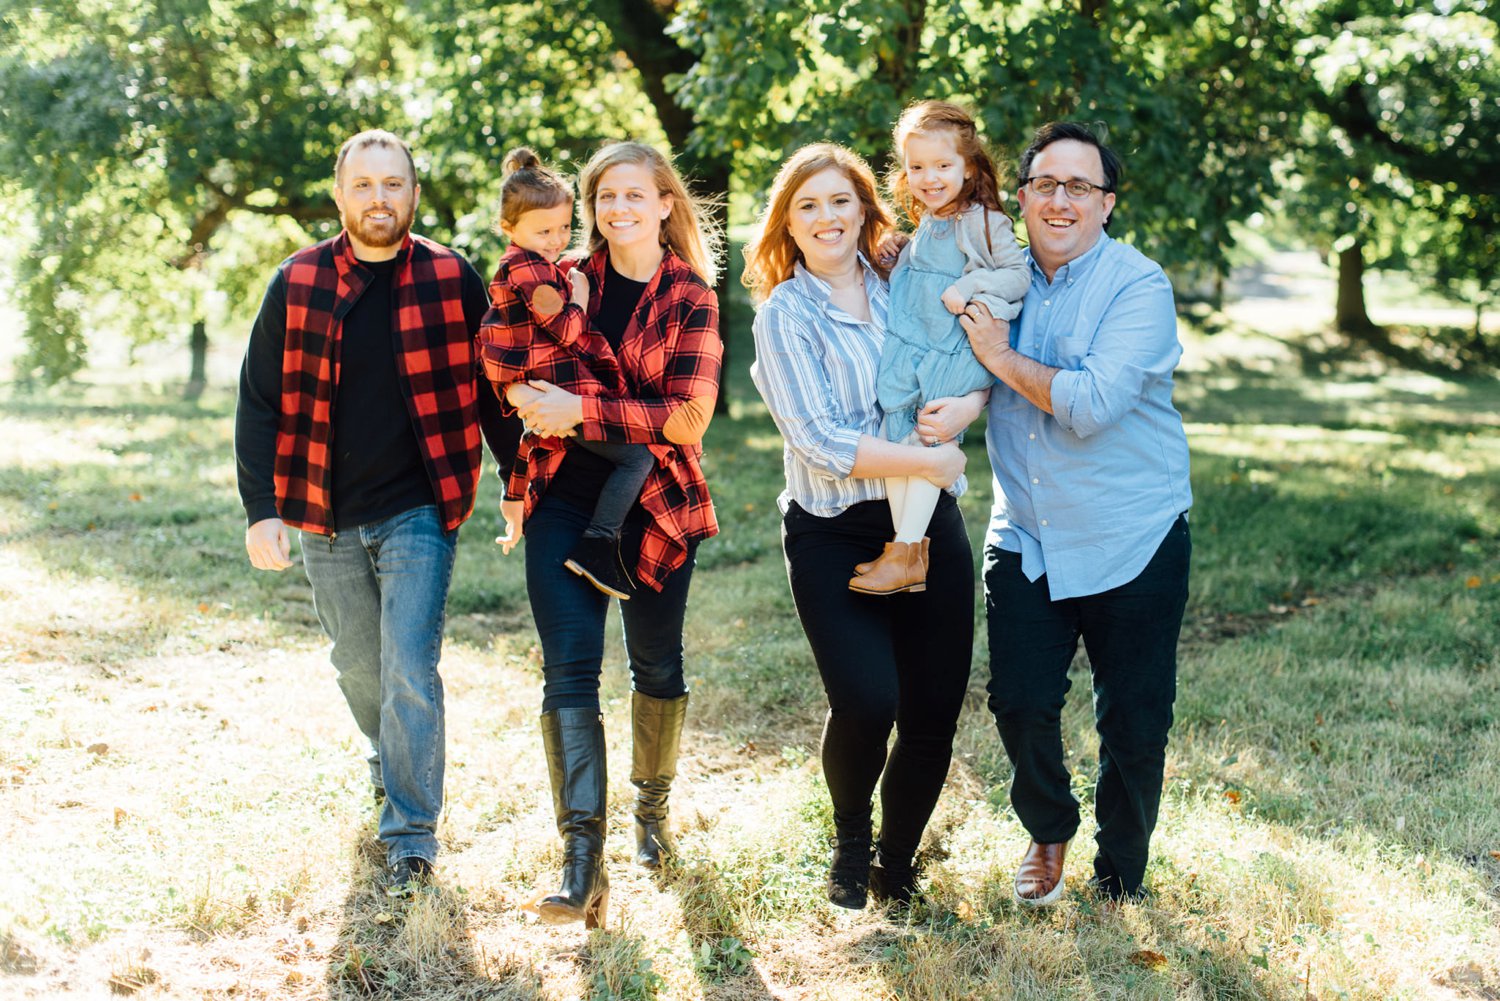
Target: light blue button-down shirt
815,367
1087,493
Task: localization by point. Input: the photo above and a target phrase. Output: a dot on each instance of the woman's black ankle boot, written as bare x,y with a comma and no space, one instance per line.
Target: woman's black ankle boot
849,865
893,882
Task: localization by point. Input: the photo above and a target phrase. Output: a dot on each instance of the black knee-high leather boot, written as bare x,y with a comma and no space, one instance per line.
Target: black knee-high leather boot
574,742
657,726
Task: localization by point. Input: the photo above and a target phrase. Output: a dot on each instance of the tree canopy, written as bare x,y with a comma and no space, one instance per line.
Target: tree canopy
167,152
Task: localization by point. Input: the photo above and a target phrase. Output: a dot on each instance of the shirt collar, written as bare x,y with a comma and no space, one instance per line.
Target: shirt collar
1075,270
819,291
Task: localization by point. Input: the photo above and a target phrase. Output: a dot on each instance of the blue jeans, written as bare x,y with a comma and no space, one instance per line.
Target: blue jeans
381,591
569,613
1130,633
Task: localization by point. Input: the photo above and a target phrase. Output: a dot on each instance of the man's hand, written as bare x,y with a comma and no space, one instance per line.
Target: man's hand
555,413
580,282
269,544
953,300
946,417
511,511
947,462
989,337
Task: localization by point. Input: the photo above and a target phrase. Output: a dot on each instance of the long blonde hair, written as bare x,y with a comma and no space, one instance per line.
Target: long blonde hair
770,257
689,231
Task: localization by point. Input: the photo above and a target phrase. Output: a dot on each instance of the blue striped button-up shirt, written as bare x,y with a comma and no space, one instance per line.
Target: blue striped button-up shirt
815,367
1087,493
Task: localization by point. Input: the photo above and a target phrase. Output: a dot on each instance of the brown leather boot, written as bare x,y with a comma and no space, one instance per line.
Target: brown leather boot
860,569
657,729
1039,880
900,568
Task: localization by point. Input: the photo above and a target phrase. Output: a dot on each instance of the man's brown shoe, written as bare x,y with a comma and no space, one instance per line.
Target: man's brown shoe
1039,881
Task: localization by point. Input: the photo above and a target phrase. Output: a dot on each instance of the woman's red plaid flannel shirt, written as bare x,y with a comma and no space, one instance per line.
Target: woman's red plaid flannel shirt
664,378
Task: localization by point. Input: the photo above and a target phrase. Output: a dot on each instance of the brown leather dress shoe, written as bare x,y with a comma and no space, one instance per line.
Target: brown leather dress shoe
1039,880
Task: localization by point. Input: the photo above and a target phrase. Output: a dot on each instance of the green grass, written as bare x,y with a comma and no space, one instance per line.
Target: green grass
183,799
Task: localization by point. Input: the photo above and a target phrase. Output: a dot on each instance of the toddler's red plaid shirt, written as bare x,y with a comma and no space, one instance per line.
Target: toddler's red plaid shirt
658,389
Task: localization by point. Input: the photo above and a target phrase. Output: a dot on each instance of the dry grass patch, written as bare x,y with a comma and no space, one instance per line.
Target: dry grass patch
194,809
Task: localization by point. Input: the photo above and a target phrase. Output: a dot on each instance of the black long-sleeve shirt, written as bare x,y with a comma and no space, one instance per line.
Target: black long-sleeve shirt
378,470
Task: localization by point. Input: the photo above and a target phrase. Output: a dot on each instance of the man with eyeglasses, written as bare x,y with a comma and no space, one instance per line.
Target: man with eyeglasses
1088,537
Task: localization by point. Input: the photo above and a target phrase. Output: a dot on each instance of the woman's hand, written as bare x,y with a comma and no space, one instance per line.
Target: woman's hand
518,394
553,414
580,283
511,511
946,418
947,462
890,249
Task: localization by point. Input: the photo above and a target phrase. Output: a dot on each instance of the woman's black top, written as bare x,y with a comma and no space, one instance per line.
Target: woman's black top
580,478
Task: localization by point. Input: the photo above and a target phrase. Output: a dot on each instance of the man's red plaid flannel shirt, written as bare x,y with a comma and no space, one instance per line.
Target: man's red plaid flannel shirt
666,376
435,362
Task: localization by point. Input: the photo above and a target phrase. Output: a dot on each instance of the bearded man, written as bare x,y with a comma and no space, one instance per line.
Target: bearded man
358,425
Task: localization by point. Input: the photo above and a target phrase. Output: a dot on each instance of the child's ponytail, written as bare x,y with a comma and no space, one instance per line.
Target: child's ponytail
529,185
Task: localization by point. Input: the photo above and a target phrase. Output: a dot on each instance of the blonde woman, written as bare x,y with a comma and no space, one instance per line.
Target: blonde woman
900,661
652,314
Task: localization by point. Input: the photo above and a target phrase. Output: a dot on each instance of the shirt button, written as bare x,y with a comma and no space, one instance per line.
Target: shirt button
1046,302
1044,522
1035,480
1032,436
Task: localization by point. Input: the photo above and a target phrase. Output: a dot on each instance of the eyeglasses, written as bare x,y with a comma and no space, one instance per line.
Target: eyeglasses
1075,189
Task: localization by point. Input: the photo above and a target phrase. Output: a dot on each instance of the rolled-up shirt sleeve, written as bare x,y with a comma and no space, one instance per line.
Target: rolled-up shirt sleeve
792,379
1134,345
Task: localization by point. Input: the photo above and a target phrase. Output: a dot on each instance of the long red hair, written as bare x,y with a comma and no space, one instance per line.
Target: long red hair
772,254
925,118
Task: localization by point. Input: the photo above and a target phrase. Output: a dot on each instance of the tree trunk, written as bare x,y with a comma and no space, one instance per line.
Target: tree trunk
1349,314
640,29
198,377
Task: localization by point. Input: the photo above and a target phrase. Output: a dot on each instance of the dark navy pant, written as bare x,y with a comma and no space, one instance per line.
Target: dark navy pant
569,613
1130,633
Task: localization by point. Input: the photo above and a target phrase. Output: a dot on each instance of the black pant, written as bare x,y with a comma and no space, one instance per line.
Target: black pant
633,464
899,659
1130,633
569,613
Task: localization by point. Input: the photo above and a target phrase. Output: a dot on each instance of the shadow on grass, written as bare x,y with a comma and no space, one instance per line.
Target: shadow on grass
720,953
419,947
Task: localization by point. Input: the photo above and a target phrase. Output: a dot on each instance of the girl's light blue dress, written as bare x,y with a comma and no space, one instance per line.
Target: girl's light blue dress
926,353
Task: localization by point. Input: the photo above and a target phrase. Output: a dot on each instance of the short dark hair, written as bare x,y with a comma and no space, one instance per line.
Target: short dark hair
1078,132
373,137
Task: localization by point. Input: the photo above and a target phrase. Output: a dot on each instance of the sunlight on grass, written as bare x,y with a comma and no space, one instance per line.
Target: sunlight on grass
194,808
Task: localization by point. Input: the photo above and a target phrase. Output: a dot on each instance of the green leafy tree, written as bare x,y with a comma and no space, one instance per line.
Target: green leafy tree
1191,93
149,136
138,129
1397,164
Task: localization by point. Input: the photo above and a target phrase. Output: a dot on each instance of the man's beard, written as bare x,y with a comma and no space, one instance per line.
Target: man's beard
381,233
